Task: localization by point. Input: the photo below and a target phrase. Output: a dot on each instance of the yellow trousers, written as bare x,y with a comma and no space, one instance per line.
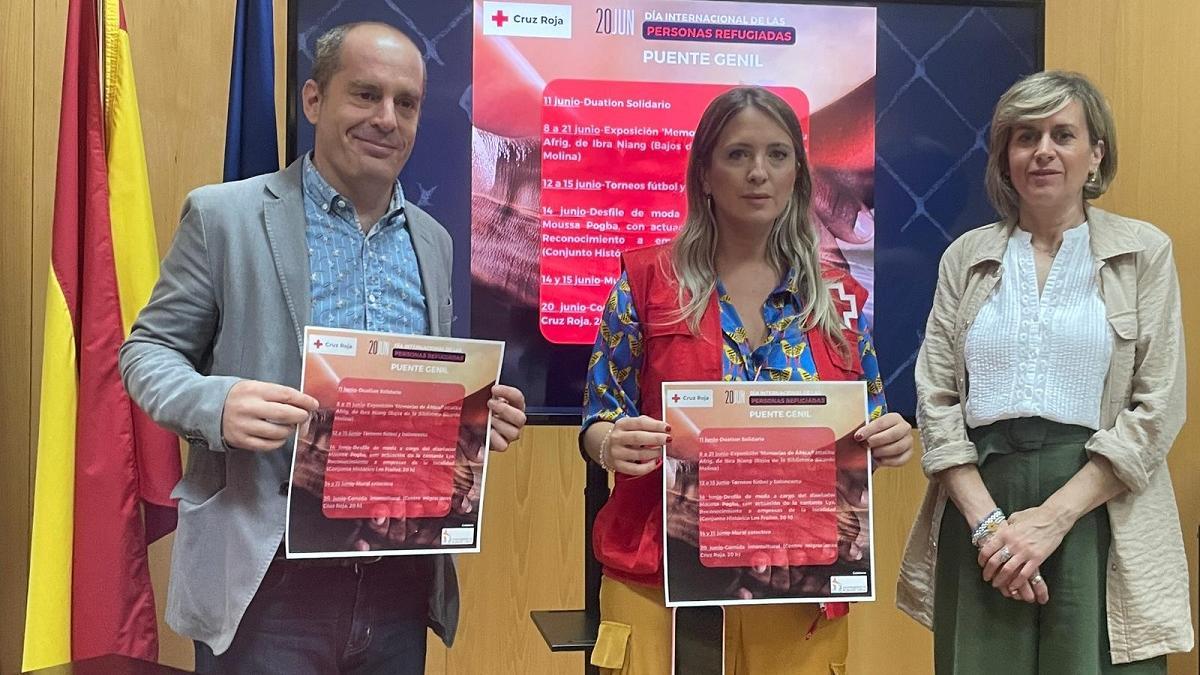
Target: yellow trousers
635,636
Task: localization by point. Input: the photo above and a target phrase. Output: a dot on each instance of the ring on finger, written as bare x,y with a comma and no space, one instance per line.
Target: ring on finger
1035,580
1005,555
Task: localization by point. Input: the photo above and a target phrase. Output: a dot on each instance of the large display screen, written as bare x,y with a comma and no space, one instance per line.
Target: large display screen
554,136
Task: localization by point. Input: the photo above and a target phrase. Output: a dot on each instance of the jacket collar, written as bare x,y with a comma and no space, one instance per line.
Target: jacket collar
286,183
284,220
1111,234
1110,237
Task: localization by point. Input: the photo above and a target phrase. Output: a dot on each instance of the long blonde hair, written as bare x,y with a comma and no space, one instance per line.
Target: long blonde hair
792,244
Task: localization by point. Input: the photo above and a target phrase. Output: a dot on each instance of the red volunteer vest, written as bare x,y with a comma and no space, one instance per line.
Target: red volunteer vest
627,533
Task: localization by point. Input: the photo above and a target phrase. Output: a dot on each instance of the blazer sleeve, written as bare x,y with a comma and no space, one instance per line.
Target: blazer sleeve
939,396
163,360
1137,445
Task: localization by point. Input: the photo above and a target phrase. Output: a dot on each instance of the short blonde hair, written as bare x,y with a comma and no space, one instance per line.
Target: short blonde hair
1038,96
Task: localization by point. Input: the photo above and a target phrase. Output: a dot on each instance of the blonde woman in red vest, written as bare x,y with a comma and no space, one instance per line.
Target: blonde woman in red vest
739,294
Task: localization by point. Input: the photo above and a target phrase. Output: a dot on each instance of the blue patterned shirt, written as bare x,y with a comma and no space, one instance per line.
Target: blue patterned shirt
361,281
614,371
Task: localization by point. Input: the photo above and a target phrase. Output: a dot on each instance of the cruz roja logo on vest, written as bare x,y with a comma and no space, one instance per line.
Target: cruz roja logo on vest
526,19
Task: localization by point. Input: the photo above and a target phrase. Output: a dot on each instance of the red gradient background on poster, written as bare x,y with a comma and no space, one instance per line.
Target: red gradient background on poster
768,497
614,157
392,451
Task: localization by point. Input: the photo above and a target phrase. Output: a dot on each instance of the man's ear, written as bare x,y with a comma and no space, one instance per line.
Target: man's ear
311,96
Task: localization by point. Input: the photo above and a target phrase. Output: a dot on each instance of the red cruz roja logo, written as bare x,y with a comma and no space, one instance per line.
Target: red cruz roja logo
332,344
501,18
526,19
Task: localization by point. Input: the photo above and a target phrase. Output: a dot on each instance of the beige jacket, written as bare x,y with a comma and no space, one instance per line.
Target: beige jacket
1142,409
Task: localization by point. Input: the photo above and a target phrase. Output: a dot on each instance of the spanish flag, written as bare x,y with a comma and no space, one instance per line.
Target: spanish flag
104,470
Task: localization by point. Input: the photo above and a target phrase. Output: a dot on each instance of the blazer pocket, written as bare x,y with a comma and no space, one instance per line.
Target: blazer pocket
662,336
445,316
203,478
1125,329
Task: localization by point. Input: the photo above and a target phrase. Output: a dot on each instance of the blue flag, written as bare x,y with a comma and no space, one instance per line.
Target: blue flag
250,145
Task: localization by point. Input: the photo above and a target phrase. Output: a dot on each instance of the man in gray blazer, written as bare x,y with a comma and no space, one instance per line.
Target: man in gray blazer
216,356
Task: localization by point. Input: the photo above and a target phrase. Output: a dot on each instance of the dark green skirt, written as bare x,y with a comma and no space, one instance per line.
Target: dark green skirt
978,631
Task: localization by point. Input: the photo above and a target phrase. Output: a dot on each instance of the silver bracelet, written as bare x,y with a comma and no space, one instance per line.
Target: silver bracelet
987,527
604,450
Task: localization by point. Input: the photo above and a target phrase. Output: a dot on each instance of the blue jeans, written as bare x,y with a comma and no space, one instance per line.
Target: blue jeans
360,619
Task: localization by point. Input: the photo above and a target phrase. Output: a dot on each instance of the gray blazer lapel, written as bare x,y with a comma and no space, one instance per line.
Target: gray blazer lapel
429,261
284,219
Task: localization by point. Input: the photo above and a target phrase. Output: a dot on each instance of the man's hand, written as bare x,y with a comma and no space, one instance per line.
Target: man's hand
853,540
465,496
381,532
765,581
683,495
507,407
261,415
312,452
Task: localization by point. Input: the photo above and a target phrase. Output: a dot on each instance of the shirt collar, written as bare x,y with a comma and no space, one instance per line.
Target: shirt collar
1079,233
1109,236
327,198
790,284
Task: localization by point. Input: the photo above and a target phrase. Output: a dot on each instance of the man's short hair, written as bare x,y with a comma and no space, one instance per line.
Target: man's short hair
328,52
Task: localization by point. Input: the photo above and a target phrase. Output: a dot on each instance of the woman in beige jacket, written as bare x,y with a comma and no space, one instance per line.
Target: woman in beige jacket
1051,385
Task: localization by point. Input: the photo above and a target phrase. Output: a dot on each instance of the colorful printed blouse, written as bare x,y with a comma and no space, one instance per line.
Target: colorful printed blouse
614,370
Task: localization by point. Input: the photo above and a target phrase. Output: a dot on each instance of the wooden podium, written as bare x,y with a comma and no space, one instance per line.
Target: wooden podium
573,630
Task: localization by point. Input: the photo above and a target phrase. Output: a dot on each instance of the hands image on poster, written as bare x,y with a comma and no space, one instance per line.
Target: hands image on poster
394,459
766,493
